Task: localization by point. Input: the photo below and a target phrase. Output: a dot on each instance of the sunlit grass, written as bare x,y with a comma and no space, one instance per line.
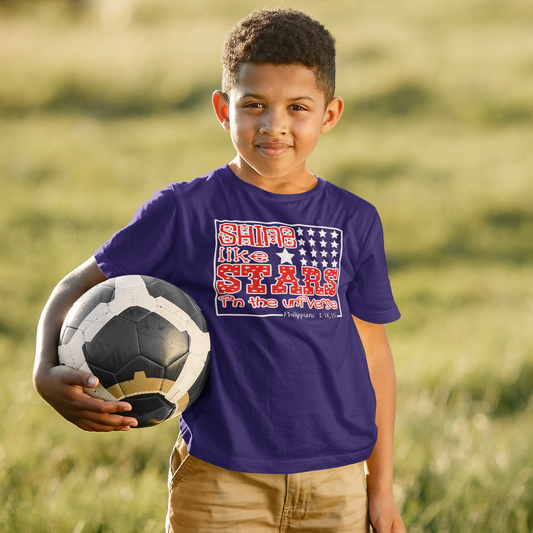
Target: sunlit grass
99,108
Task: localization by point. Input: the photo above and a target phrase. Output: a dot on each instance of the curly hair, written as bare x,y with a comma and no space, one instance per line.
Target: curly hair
280,36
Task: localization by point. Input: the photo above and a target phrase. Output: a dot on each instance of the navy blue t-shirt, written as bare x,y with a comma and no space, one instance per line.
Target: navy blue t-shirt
277,278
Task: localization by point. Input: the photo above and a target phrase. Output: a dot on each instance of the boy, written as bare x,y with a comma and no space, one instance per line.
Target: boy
279,261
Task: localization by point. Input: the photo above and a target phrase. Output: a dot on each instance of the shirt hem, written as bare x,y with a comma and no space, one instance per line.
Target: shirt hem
277,466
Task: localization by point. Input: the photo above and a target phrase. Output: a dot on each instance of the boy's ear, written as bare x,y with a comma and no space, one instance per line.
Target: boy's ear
333,113
221,106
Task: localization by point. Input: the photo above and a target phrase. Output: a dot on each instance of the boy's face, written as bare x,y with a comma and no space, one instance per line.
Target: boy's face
275,115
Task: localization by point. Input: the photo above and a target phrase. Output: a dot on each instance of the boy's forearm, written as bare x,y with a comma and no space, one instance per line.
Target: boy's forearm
382,375
49,326
380,462
68,290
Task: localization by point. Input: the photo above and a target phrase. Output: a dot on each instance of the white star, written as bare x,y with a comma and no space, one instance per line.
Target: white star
323,243
304,262
323,253
334,244
302,251
324,264
301,242
300,231
334,264
322,233
285,256
334,234
311,242
313,253
311,231
334,253
314,263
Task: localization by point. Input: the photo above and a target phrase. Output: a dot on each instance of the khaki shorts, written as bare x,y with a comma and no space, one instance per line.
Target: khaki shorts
205,498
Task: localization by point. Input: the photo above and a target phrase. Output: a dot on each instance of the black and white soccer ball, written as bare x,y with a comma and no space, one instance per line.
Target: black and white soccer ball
146,341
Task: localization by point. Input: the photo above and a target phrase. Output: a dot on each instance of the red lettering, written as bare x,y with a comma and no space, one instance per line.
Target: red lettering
287,281
288,236
260,239
256,274
228,283
330,277
259,257
235,302
238,255
245,235
273,236
312,278
227,234
256,302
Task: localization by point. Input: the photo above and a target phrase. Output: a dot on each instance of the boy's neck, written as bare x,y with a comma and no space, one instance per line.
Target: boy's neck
300,182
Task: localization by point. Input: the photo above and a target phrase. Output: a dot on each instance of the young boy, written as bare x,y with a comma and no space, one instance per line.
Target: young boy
279,261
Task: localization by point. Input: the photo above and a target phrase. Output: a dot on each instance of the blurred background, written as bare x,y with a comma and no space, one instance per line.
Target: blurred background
104,101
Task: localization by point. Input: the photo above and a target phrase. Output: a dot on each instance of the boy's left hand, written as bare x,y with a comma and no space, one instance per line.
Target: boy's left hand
384,514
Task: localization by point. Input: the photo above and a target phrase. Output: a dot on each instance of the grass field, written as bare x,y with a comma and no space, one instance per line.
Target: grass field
100,105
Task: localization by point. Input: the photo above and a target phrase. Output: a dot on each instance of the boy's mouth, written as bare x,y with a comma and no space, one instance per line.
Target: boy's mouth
272,149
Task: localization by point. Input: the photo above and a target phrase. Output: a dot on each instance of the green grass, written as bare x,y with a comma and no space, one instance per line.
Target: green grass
101,106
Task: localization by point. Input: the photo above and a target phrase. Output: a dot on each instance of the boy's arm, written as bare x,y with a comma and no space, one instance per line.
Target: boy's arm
384,514
61,386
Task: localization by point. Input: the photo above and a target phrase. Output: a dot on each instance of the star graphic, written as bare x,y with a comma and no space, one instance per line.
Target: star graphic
285,256
311,242
313,253
334,253
334,244
324,264
334,264
311,231
323,253
300,231
323,243
304,262
301,242
314,263
302,251
322,233
334,234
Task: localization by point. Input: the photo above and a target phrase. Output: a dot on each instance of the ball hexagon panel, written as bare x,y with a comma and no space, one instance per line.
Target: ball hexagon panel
143,369
157,287
108,380
174,370
72,353
102,293
66,335
113,346
150,410
160,340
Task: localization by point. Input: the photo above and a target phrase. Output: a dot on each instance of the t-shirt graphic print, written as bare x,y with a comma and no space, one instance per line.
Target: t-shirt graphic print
273,269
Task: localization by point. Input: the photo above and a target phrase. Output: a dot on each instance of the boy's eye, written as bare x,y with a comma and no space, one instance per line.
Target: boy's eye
296,107
254,105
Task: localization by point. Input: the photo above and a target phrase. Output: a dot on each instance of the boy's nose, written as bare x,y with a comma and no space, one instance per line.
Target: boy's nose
273,123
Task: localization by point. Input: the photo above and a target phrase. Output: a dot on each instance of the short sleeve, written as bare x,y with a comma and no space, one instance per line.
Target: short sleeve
369,294
145,244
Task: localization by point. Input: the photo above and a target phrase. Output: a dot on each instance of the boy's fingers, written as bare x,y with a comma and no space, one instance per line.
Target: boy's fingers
110,414
77,377
92,381
92,421
103,406
109,410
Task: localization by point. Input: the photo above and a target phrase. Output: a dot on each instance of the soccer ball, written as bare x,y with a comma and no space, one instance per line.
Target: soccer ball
146,341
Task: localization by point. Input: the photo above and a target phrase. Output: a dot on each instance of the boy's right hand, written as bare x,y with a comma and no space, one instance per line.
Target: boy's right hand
62,387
